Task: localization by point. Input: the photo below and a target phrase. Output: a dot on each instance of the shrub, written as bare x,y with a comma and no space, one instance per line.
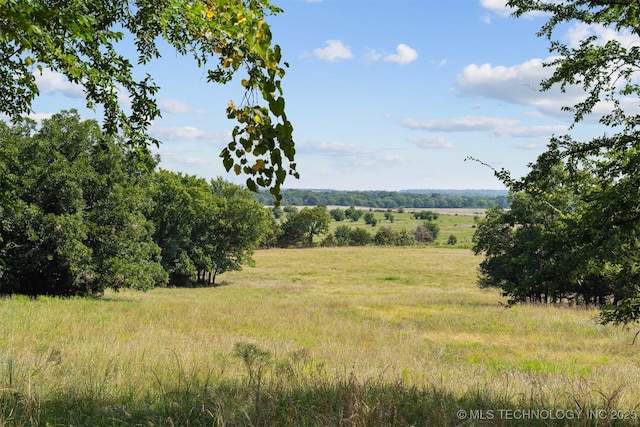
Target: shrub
405,238
427,232
426,215
385,236
359,237
342,235
369,218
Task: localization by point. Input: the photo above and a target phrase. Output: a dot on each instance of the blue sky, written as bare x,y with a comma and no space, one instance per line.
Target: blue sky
383,95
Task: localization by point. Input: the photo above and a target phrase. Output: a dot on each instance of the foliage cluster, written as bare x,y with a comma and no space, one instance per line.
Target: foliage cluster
90,43
530,253
204,228
574,231
389,199
74,220
81,214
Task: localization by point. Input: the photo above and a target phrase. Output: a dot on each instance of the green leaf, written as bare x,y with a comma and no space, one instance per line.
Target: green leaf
251,185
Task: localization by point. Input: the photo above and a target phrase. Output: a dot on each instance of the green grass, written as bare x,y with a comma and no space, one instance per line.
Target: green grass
327,336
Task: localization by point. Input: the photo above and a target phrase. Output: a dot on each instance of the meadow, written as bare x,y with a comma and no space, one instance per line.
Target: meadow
363,336
458,222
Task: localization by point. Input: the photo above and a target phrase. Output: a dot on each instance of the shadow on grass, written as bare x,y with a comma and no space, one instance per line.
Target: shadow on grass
256,402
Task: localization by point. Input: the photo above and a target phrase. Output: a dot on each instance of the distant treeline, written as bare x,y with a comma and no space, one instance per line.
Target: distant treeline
391,199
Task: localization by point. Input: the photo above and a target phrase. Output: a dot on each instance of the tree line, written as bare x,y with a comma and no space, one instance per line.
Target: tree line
388,199
81,212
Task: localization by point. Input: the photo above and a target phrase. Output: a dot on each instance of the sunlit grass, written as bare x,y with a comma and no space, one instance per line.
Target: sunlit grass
396,334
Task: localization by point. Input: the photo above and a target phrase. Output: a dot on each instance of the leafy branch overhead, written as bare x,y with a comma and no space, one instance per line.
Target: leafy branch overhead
81,39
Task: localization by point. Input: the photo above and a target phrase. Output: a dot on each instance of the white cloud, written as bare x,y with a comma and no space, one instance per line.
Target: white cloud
530,131
348,156
335,50
50,82
499,127
177,133
499,7
173,106
460,124
518,84
580,31
532,146
189,133
441,63
38,117
404,55
431,142
372,56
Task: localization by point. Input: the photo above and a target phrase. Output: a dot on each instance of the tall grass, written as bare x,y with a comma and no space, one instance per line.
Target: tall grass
328,336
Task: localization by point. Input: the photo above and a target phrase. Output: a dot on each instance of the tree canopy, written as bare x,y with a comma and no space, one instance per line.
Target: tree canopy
83,40
599,179
74,221
204,229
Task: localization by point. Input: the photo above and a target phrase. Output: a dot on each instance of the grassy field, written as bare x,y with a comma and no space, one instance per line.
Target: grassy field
459,222
327,336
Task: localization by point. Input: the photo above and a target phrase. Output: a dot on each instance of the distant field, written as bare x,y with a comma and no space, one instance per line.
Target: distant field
459,222
328,336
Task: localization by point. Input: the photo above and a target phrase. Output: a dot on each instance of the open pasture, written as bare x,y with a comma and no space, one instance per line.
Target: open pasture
459,222
328,336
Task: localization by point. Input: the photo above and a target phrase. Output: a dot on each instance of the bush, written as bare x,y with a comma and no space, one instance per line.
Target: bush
405,238
369,218
385,236
452,240
342,235
359,237
426,215
337,214
427,232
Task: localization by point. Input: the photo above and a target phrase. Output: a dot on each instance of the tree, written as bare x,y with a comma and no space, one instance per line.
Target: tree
204,229
317,222
304,226
242,224
353,213
370,219
337,214
526,250
602,223
405,238
86,42
73,222
181,204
